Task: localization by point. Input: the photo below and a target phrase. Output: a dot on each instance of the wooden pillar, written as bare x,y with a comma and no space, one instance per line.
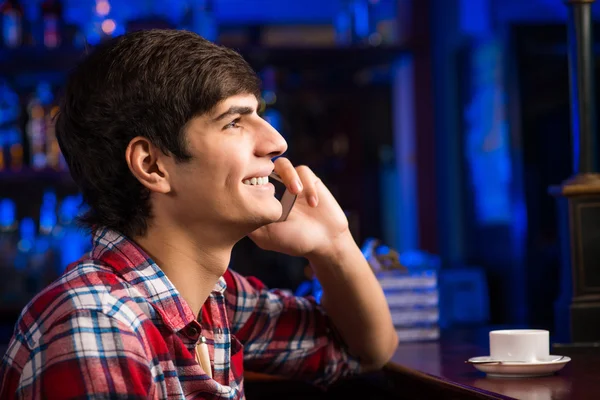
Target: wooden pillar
581,193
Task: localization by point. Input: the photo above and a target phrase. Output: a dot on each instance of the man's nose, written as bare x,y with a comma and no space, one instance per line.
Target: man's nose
269,141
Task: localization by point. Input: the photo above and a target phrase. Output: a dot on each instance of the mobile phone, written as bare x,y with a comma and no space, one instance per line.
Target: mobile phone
282,194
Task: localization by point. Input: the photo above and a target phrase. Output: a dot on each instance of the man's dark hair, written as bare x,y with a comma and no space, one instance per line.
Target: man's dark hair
146,83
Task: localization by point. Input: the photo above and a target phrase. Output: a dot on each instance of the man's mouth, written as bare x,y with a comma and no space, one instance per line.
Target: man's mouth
256,181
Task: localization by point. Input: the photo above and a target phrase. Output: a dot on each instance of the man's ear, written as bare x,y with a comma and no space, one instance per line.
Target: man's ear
147,163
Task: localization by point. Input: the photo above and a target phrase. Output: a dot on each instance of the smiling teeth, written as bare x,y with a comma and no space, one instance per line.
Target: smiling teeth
261,180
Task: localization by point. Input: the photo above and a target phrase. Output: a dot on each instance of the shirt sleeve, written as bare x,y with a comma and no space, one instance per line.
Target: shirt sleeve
86,355
285,335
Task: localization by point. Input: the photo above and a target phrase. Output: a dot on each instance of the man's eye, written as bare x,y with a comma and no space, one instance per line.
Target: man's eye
232,124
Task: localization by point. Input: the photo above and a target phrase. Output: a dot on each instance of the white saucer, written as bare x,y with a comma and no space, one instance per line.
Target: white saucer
507,369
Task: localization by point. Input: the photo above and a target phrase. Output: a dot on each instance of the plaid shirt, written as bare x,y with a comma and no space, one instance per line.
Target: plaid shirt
114,326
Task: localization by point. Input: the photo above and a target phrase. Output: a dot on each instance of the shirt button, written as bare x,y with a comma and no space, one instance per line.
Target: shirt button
193,332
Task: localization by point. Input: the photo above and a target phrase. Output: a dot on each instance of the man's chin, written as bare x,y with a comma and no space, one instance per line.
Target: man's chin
265,217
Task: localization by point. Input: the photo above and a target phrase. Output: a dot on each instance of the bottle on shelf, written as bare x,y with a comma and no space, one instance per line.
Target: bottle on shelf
204,22
42,263
8,246
11,14
8,230
35,134
53,154
268,102
48,217
16,293
52,23
37,110
10,134
69,238
343,26
355,24
2,152
15,146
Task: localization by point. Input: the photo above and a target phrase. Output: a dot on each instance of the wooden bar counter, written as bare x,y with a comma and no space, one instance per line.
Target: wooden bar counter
437,370
440,368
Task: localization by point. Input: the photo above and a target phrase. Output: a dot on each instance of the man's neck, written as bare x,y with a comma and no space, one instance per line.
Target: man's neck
192,264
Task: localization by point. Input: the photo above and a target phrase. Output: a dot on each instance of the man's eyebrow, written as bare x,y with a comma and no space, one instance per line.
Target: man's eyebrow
233,110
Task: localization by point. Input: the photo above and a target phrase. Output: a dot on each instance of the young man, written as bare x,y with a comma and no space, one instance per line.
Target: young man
161,134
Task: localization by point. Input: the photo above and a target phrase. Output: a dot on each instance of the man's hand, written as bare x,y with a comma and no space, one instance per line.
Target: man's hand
318,230
316,226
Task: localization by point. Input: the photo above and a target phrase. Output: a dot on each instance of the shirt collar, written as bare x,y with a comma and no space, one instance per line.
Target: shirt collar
131,263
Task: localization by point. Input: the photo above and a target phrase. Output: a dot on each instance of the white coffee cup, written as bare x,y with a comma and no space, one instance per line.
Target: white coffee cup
526,345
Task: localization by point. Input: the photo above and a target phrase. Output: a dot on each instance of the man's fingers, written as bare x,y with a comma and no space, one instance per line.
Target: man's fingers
289,175
310,182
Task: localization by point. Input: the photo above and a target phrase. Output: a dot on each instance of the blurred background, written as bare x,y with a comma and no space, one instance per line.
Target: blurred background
438,124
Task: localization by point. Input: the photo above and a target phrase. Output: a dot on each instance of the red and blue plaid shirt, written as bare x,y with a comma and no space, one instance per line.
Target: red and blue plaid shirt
114,326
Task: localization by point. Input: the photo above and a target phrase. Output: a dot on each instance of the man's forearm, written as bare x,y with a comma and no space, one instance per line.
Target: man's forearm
355,302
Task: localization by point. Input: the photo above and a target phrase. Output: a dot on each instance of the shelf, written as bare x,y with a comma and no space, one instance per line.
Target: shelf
31,60
339,57
28,176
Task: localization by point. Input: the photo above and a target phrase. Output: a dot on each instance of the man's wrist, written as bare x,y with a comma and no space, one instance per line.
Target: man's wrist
343,247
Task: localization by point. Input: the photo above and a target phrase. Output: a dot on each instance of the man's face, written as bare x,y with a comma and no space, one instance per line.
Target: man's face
230,146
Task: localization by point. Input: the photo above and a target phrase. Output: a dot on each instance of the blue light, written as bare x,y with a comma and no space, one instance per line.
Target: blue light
26,240
382,250
47,219
8,214
270,97
9,104
49,198
273,117
487,146
27,229
476,16
68,209
44,93
93,37
276,11
361,18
